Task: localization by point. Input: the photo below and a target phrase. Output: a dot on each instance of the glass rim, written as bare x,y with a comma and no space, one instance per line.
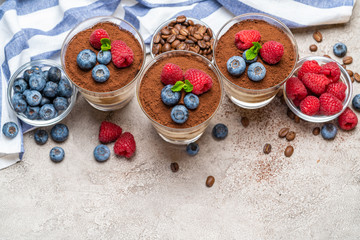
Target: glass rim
287,31
153,61
103,18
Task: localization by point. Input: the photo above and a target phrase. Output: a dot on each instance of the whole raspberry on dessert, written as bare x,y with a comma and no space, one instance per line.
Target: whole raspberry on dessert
347,120
337,89
199,79
272,52
109,132
331,70
308,67
122,55
125,145
316,83
245,38
329,105
310,105
171,73
96,36
295,89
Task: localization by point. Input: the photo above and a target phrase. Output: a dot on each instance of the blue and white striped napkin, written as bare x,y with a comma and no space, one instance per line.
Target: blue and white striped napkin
35,29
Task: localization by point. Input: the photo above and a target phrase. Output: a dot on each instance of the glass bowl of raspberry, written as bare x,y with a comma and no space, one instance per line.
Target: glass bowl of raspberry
319,90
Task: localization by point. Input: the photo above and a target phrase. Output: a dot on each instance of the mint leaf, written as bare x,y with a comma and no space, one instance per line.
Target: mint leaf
188,86
178,86
253,51
105,44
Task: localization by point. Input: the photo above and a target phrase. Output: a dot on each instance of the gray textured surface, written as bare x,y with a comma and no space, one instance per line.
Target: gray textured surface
312,195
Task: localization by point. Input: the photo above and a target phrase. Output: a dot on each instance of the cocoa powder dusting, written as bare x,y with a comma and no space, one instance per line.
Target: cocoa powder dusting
275,74
151,86
119,77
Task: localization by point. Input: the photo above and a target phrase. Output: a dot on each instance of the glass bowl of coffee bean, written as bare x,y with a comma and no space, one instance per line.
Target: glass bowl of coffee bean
319,90
183,33
40,94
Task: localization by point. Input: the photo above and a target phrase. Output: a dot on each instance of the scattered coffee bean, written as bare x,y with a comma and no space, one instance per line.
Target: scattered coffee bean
350,73
352,79
245,121
174,167
181,19
283,132
343,65
290,114
296,119
316,131
290,136
313,48
289,150
210,181
347,60
317,36
327,56
357,77
267,148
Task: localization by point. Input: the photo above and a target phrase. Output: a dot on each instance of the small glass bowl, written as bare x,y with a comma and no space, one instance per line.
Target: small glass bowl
196,21
44,65
344,77
180,136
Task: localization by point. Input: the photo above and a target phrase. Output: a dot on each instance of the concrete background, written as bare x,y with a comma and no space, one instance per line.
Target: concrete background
314,194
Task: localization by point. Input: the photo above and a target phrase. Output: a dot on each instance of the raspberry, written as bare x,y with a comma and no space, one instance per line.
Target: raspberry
309,67
109,132
295,89
200,80
272,52
171,73
329,105
347,120
125,145
121,55
245,38
332,71
310,105
337,89
96,36
315,82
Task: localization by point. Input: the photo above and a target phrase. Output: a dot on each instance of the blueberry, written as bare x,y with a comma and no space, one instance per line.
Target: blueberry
64,88
57,154
101,153
169,97
104,57
10,129
27,74
340,49
33,98
59,132
220,131
249,61
50,90
41,136
36,69
192,148
191,101
60,103
32,112
256,72
19,103
100,73
86,59
54,74
179,114
46,75
47,112
37,82
20,85
236,66
356,102
44,101
328,131
26,92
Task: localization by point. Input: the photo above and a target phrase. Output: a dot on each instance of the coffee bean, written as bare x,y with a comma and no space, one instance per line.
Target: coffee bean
166,47
317,36
296,119
289,150
171,38
352,79
347,60
201,44
181,37
191,22
175,43
343,65
357,77
165,31
206,38
193,49
245,121
162,41
174,167
316,131
210,181
188,41
156,48
350,73
181,46
290,114
209,32
165,36
327,56
290,136
181,19
184,32
175,31
202,30
198,36
172,23
192,39
178,27
267,148
283,132
313,48
157,38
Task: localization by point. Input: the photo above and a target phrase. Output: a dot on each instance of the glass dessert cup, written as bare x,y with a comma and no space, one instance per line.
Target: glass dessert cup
253,98
112,100
344,77
180,136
